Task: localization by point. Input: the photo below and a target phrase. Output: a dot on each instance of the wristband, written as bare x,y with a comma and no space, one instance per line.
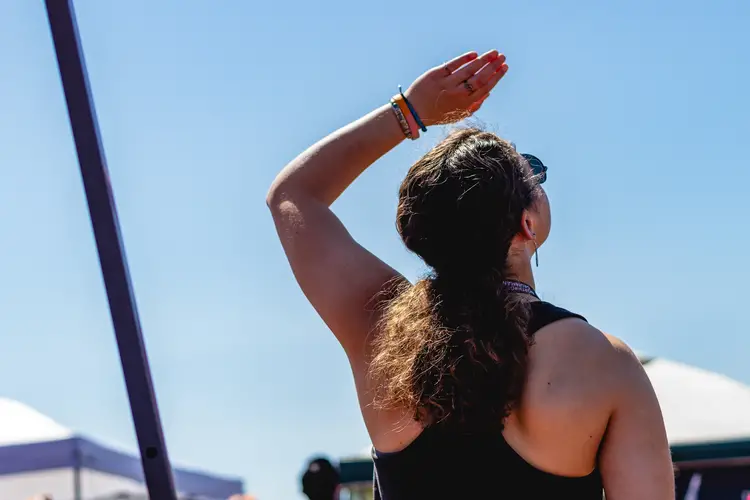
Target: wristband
413,111
401,119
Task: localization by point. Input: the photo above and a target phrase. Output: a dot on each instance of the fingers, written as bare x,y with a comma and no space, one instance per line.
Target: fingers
468,70
483,75
485,80
456,63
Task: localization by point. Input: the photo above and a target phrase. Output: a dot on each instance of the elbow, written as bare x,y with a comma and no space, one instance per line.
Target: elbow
275,195
271,197
279,196
282,193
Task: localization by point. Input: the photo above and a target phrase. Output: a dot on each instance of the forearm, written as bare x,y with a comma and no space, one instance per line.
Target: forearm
327,168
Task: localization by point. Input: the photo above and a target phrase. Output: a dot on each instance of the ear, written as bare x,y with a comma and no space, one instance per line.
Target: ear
528,226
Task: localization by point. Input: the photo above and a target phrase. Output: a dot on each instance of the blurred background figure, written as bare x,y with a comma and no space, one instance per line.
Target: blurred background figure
321,480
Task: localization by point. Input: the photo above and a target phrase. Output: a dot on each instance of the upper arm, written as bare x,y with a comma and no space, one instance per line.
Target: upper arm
635,459
339,277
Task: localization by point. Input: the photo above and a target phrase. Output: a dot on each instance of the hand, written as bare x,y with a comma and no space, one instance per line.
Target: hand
457,89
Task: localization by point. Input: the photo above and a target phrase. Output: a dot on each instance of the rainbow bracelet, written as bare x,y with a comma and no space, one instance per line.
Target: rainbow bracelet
413,111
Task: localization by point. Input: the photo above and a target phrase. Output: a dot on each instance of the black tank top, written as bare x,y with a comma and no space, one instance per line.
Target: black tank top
443,464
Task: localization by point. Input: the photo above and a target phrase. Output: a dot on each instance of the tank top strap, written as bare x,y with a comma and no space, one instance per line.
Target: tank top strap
544,313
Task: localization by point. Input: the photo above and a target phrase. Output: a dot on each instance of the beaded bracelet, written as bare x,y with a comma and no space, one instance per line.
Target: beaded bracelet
399,99
413,111
401,119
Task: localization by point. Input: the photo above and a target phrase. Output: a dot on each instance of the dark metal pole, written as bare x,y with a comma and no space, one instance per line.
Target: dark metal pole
156,467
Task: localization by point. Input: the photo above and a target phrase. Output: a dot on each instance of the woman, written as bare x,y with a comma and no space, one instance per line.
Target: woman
469,385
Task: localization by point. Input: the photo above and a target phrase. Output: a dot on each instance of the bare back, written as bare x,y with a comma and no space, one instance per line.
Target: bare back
566,404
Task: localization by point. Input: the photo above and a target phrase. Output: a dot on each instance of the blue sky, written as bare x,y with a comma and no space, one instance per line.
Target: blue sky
640,110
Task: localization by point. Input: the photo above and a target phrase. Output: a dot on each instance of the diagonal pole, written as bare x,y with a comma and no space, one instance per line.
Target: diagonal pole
103,213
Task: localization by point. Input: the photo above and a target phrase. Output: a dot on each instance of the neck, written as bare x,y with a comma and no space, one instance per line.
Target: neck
522,273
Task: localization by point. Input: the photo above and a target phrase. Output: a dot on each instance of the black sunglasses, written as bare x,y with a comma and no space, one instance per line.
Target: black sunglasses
539,168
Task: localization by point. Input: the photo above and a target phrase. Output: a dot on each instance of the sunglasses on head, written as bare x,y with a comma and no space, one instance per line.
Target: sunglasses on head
539,168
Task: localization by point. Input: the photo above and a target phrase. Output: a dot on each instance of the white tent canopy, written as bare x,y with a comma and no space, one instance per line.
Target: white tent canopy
20,424
699,406
40,456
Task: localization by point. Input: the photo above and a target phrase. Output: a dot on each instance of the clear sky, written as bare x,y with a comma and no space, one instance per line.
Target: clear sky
639,108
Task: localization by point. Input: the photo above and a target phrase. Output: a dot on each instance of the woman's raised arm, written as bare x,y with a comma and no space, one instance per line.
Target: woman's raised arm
338,276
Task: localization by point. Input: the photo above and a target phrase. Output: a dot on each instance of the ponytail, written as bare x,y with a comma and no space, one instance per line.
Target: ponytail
453,349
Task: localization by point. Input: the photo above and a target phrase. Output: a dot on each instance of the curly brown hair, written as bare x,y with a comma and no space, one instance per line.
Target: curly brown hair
453,348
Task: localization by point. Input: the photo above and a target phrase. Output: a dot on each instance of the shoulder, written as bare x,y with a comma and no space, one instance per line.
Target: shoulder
573,334
578,379
573,349
565,336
